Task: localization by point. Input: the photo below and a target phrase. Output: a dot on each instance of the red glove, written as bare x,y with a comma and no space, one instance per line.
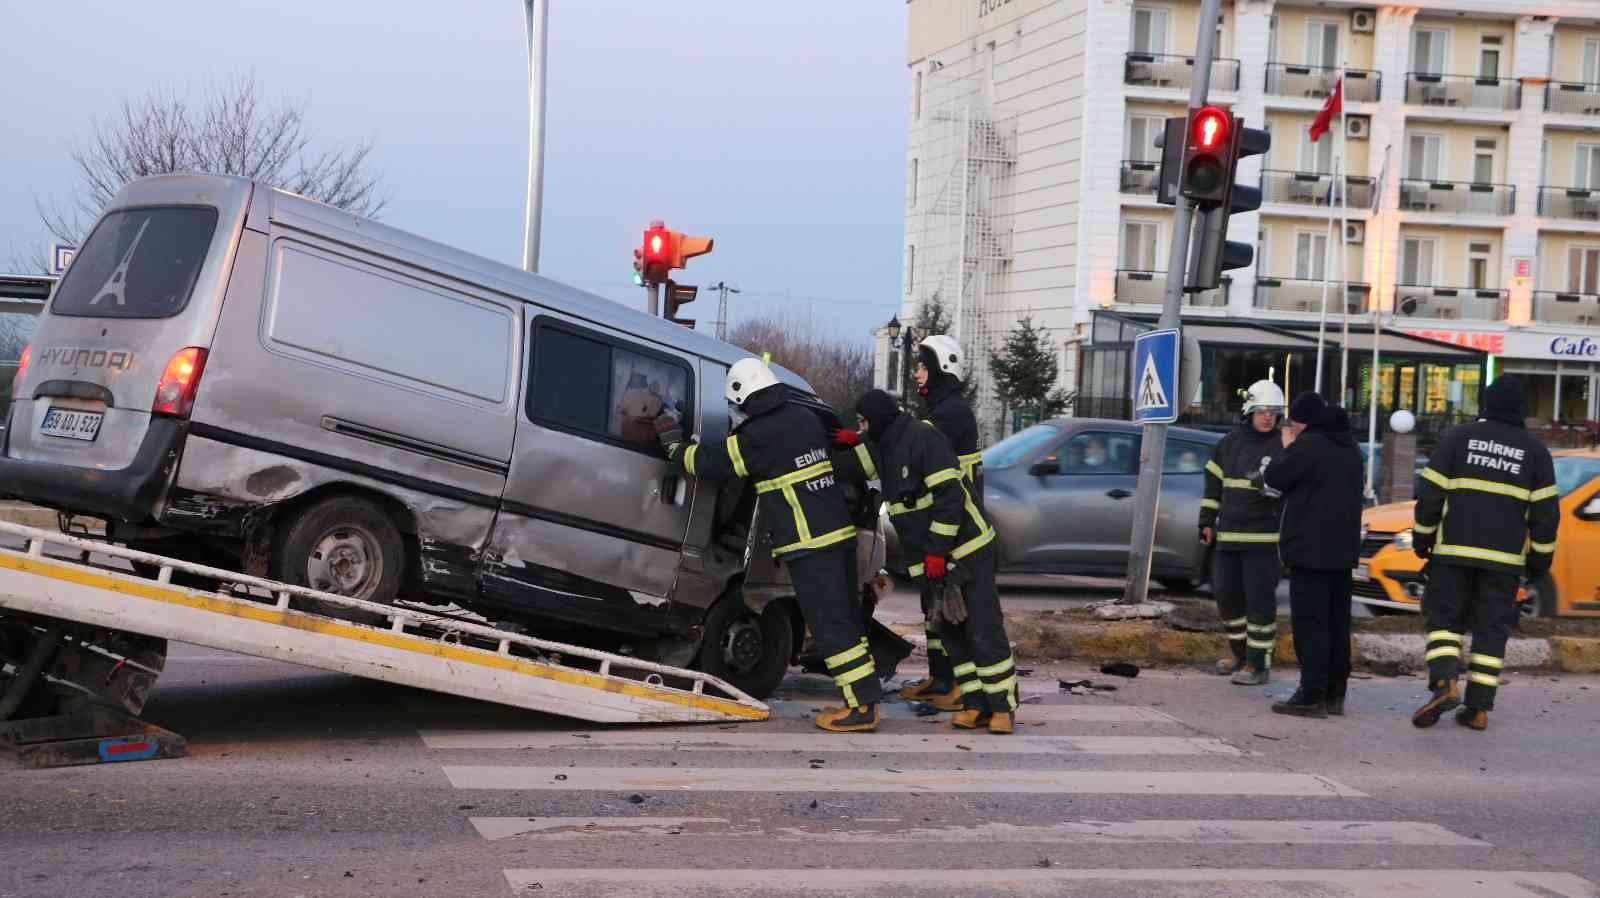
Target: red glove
933,566
843,438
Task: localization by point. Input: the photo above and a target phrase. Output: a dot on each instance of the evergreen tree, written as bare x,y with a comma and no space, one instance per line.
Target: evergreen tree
1025,368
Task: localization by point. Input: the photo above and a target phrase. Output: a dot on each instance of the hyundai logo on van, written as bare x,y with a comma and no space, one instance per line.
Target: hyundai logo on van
68,356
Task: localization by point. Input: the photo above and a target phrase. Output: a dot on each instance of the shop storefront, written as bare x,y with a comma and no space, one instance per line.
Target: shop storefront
1558,368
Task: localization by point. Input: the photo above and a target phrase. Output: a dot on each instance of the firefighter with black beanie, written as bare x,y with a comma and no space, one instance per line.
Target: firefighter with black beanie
1486,517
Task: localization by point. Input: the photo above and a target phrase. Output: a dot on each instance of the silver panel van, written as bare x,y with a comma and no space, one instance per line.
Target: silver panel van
235,375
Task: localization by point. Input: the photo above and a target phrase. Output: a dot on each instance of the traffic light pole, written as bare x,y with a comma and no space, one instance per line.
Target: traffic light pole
1153,451
652,289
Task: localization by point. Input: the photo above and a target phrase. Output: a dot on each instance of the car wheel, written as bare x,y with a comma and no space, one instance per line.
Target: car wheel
345,545
749,650
1541,601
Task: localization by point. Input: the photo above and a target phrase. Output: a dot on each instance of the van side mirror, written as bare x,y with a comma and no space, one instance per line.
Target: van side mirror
1589,511
1050,464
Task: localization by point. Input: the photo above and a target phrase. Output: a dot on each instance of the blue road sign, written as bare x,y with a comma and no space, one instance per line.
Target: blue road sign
1155,377
61,256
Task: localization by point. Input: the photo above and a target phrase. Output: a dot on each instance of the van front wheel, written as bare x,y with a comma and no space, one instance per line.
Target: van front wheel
344,545
748,650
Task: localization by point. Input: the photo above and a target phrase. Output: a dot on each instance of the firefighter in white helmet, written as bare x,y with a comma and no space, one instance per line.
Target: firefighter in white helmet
1240,522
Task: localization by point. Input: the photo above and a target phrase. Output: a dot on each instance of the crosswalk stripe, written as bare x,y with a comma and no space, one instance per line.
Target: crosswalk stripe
890,780
1262,883
1088,832
822,743
790,709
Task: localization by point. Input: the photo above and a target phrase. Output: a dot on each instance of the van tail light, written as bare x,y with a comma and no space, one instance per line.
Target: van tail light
179,383
22,369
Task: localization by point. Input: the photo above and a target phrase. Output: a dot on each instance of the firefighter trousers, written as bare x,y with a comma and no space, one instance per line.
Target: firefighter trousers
1461,599
1246,585
825,587
980,653
939,666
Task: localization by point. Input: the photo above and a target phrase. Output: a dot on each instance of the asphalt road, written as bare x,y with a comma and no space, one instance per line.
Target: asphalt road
309,784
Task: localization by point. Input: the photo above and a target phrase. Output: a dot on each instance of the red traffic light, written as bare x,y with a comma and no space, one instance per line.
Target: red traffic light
658,246
1211,126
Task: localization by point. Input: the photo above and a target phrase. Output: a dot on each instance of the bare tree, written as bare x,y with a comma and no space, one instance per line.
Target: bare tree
230,130
840,370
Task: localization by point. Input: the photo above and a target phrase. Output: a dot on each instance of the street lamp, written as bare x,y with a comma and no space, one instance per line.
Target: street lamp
538,18
903,338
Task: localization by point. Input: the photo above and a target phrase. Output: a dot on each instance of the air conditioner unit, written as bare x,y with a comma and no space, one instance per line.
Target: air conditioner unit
1363,21
1355,232
1358,127
1411,305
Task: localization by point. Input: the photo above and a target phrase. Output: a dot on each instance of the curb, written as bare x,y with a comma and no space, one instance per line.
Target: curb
28,515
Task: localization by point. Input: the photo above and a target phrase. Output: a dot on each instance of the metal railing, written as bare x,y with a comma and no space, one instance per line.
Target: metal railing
1311,188
1168,70
1557,307
1305,296
1463,91
1140,177
1568,98
1457,197
1579,203
1147,288
1449,303
1316,81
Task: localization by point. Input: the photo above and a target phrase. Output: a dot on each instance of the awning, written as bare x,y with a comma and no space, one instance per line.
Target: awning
1395,343
1246,335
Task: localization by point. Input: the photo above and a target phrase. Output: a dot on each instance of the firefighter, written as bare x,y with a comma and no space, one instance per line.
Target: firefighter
1486,517
938,521
1240,520
940,369
782,449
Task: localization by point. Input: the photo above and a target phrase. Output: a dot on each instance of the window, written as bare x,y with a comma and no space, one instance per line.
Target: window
1583,269
1591,63
1428,50
911,269
894,384
1142,133
1139,245
586,384
1587,162
1272,39
1310,255
1422,157
1019,446
138,263
1100,453
1149,30
1483,153
912,185
1315,156
916,97
1416,261
1322,44
1489,56
1185,458
1478,265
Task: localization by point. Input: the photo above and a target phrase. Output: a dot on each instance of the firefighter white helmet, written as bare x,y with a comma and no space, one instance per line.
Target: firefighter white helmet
1263,395
746,378
947,352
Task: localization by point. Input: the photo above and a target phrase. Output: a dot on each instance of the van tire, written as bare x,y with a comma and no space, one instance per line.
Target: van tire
765,641
1544,602
364,537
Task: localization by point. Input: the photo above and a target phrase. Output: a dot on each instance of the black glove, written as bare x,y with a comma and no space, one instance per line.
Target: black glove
1538,566
1422,545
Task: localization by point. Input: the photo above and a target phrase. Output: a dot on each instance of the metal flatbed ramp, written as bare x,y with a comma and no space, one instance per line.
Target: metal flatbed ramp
414,648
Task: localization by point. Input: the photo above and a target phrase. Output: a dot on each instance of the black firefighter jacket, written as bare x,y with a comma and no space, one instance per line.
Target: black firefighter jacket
782,449
1489,499
952,416
1320,477
927,496
1243,516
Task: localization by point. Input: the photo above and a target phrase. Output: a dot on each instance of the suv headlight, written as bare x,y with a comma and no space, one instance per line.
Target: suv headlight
1402,541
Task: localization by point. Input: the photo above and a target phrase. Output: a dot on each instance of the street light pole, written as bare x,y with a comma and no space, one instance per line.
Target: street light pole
538,18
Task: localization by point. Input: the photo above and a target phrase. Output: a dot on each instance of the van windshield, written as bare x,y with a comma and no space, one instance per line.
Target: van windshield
138,263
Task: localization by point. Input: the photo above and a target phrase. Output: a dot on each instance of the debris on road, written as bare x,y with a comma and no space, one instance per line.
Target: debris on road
1120,669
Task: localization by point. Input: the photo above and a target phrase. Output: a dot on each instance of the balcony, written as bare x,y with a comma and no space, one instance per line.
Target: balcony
1554,307
1315,82
1305,296
1311,189
1450,303
1463,92
1566,98
1140,178
1166,70
1146,288
1457,197
1577,203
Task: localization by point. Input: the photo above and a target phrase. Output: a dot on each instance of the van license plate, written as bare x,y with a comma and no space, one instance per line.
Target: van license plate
71,424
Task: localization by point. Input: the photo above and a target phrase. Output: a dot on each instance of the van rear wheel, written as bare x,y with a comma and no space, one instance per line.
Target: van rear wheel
345,545
748,650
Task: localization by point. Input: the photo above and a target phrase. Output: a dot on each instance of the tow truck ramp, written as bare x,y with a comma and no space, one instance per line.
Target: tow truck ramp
66,601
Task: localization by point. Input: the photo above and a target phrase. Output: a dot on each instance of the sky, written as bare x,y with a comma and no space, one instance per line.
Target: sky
777,128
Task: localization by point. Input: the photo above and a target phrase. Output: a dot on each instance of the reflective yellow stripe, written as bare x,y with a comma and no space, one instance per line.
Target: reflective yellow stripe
864,456
1237,483
826,540
849,696
971,458
971,686
802,527
1247,537
1444,636
1539,495
997,669
1002,686
1546,548
737,457
1262,628
688,458
1490,680
1424,529
936,645
1431,475
1214,469
1210,503
1444,651
945,529
1481,554
973,545
860,673
961,670
1483,486
1236,637
800,476
896,508
915,570
1486,660
849,654
1259,643
938,477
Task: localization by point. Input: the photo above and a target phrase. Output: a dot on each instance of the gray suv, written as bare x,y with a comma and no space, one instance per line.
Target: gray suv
1060,495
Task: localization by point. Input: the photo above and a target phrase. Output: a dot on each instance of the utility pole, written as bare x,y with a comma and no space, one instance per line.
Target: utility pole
538,17
1153,450
723,290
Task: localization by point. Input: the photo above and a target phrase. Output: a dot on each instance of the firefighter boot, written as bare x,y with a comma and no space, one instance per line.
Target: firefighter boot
1473,719
924,690
1251,676
861,719
1228,665
971,719
949,701
1002,724
1445,698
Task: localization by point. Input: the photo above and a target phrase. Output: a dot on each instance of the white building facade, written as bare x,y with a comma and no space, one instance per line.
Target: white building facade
1470,152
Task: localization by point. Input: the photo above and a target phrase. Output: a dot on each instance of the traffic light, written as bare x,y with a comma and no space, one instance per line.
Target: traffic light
679,295
685,248
1215,253
655,253
638,267
1206,169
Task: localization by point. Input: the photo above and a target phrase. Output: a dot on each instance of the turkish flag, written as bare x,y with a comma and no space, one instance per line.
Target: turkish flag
1331,108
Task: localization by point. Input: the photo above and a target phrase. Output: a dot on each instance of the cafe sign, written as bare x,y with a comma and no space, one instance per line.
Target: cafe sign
1520,344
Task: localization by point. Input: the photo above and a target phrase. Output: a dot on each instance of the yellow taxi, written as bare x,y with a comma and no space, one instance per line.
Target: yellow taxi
1388,578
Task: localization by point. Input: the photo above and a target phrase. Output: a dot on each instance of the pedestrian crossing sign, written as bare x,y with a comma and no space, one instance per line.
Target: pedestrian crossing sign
1155,382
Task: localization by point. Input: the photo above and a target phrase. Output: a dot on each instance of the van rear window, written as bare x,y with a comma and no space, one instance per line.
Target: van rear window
138,263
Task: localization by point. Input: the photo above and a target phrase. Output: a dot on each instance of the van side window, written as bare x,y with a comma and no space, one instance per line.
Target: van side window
590,385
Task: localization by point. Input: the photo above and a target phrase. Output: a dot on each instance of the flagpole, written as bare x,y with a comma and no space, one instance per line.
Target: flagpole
1327,249
1377,302
1344,221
